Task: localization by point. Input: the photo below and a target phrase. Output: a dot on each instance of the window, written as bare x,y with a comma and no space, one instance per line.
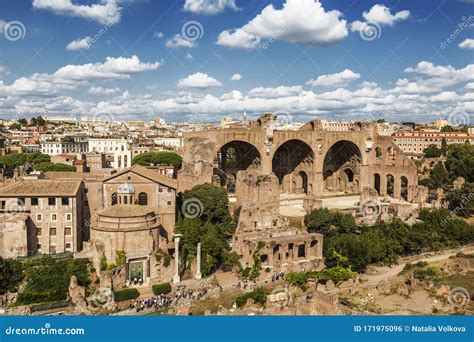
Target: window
38,231
51,201
21,201
169,202
160,190
52,231
114,198
143,198
34,201
38,247
170,190
68,246
125,200
39,217
68,231
68,217
54,217
65,201
52,249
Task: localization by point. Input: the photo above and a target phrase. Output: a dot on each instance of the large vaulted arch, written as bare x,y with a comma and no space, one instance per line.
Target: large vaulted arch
341,168
232,157
293,163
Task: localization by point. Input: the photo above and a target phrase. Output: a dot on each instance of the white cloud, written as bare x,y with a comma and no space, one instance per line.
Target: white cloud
198,80
177,41
469,86
103,91
299,21
2,25
209,7
378,15
79,44
381,15
272,93
189,56
104,12
337,79
445,96
158,35
112,68
467,44
236,77
238,38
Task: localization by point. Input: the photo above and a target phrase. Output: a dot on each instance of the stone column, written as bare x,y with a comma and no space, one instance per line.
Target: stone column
176,278
198,274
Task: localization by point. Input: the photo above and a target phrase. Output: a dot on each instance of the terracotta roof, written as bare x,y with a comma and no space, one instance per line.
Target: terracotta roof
74,175
40,188
126,210
147,173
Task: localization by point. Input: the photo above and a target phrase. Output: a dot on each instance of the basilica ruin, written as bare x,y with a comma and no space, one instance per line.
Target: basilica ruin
265,168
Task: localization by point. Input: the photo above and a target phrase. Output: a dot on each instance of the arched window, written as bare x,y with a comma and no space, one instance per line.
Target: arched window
378,153
143,198
125,200
114,198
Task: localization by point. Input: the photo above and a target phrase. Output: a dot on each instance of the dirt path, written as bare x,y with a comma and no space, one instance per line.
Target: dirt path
387,272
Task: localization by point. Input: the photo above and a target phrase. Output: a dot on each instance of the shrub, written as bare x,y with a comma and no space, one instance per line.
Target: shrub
161,288
258,296
126,294
103,262
120,258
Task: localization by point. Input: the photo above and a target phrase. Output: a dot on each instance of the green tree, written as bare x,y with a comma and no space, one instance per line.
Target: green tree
158,158
11,274
55,167
461,201
432,151
438,176
329,222
444,146
460,162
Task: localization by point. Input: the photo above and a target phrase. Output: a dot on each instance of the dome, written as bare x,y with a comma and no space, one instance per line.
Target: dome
125,189
122,217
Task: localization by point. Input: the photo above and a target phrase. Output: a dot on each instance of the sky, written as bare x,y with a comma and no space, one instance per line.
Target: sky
200,60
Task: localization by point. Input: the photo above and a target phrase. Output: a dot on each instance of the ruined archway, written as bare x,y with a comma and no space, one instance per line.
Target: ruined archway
377,182
390,185
292,162
341,168
404,188
234,156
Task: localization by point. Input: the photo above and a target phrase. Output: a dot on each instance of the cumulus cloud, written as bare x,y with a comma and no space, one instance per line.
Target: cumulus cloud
236,77
271,93
103,91
209,7
158,35
467,44
104,12
298,21
199,80
379,15
112,68
79,44
189,56
338,79
177,41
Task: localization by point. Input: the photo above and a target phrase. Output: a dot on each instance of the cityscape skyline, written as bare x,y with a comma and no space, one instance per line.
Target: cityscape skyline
194,60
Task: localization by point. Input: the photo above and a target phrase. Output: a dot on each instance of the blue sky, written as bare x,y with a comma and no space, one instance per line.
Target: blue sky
306,59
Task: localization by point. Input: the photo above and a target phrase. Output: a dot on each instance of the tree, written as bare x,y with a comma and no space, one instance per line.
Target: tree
11,274
22,121
329,222
432,151
55,167
460,162
444,146
461,201
438,176
158,158
206,219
